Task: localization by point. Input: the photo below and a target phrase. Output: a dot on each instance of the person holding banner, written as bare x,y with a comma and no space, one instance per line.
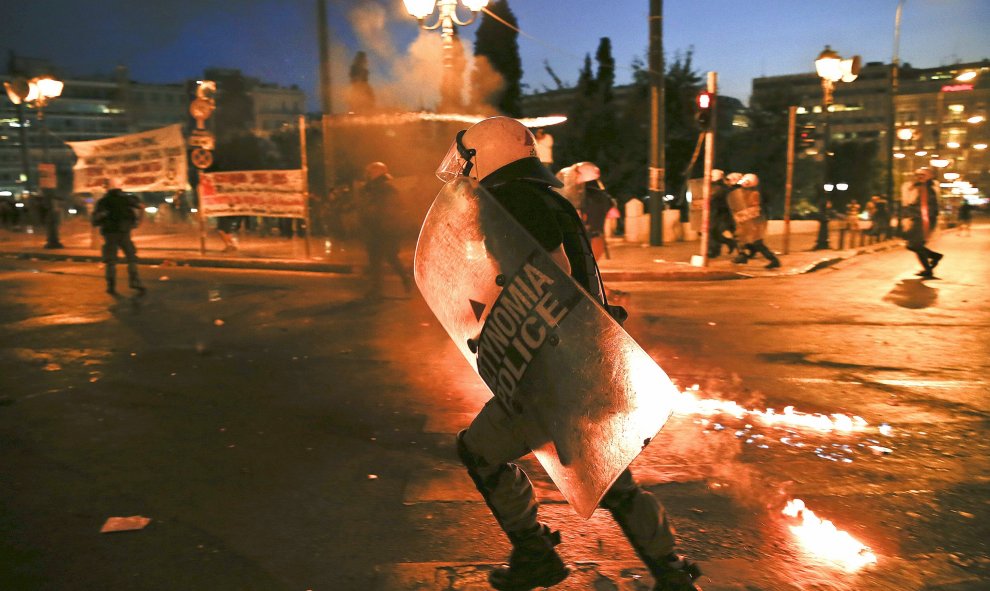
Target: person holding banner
116,214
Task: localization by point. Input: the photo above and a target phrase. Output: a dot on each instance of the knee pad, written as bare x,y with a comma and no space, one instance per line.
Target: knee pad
484,475
471,460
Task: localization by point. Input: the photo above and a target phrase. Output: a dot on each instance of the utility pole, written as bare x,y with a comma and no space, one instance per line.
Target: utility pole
708,111
326,103
657,182
892,200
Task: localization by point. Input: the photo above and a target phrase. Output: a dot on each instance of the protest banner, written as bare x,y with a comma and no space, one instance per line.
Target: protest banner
152,160
266,193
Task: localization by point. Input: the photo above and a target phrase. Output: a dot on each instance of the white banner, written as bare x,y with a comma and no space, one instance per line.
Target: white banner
268,193
153,160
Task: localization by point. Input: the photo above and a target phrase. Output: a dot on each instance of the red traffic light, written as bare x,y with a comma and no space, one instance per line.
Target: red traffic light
704,100
705,103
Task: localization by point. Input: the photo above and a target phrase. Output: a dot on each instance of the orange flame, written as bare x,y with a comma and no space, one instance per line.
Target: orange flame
821,538
690,403
350,119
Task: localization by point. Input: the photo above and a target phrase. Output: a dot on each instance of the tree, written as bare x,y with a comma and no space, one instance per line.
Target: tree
605,78
235,108
762,150
628,165
496,50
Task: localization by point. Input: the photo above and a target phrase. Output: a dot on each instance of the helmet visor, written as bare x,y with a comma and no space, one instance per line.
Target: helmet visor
452,165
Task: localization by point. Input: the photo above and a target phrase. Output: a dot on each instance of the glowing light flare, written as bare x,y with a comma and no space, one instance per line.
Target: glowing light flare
823,539
399,118
688,402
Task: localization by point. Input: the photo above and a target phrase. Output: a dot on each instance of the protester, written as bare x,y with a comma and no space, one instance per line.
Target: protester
919,206
721,226
852,223
751,223
116,214
879,217
965,217
380,227
500,153
227,226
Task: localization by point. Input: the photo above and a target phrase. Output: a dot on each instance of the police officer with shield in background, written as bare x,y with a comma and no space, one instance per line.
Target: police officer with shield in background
500,153
751,222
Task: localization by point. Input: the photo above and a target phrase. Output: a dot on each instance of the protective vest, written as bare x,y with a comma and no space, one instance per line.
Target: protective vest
518,181
115,212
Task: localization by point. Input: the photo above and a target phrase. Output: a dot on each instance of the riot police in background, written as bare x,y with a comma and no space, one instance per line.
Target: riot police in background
380,227
500,153
721,226
594,206
751,222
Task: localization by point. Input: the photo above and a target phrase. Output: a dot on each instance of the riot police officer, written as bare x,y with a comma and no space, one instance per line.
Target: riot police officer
499,152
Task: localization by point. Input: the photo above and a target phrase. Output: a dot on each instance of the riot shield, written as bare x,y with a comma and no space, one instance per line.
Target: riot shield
587,397
751,225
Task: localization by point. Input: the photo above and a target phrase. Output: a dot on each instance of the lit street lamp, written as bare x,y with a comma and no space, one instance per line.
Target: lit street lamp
446,21
37,93
832,69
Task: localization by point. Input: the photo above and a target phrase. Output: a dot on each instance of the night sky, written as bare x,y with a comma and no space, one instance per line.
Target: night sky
275,40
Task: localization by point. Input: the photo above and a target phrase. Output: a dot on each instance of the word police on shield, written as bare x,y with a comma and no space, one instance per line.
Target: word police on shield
586,397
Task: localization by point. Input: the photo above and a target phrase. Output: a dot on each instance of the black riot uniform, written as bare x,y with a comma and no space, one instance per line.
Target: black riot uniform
116,214
493,442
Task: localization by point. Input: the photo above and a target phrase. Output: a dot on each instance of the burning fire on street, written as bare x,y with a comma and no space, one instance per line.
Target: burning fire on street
691,403
821,538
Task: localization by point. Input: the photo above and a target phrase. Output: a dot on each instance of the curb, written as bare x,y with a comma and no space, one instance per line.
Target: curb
264,265
621,276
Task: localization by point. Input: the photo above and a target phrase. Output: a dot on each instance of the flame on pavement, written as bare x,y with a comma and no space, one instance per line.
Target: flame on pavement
821,538
690,403
351,120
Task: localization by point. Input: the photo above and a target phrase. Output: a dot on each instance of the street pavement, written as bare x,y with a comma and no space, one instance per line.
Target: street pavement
181,244
282,434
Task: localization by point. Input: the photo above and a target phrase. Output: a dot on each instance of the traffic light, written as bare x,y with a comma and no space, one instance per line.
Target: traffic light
806,137
704,104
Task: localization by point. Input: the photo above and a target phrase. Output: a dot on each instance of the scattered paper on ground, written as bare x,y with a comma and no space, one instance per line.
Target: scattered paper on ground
124,524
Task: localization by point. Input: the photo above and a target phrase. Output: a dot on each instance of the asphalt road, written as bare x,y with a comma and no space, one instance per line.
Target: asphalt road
281,432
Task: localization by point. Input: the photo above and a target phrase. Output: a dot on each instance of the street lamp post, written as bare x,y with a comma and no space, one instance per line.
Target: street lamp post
446,21
832,69
37,93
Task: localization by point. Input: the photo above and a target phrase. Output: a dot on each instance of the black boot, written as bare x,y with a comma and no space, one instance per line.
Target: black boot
533,563
135,284
674,573
111,287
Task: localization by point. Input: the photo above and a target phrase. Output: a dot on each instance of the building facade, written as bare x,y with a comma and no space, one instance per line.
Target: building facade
104,107
939,118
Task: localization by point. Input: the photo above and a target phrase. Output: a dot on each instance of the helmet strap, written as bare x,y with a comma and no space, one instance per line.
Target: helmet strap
467,154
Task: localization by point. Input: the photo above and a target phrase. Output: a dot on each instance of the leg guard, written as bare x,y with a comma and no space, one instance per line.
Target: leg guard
506,489
509,494
110,273
641,517
644,522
